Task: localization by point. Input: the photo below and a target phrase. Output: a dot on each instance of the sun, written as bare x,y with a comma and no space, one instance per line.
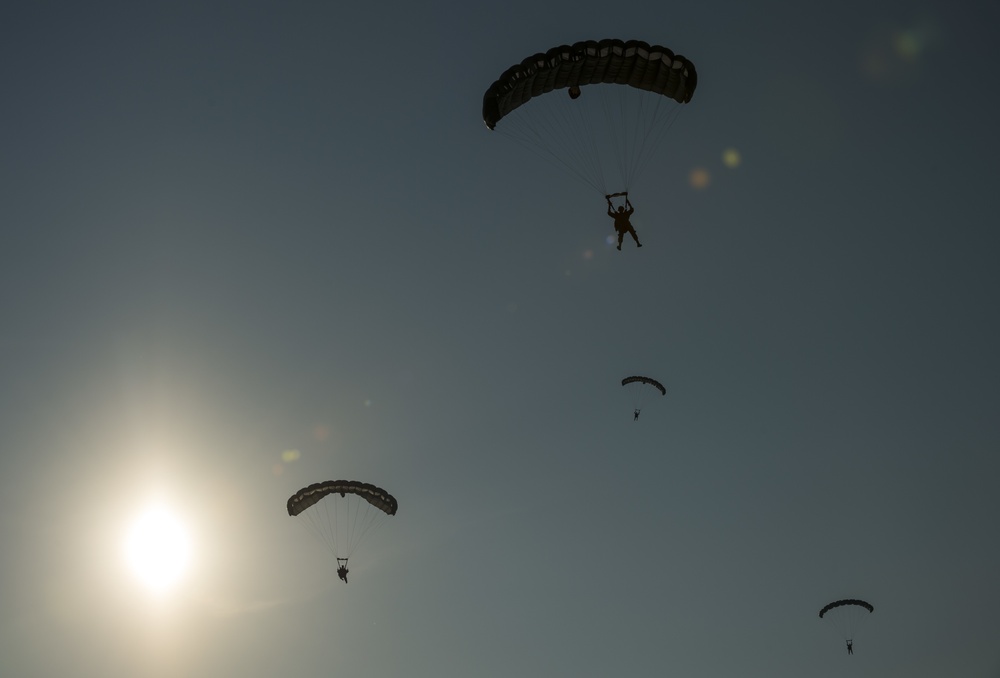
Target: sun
158,549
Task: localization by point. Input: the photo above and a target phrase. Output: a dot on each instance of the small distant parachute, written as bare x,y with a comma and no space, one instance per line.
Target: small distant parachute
645,380
621,97
340,513
846,601
846,616
642,390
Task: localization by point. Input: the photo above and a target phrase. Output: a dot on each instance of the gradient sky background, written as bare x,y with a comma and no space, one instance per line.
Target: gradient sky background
235,229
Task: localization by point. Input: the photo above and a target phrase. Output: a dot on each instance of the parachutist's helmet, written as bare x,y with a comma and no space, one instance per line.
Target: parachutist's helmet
621,208
574,92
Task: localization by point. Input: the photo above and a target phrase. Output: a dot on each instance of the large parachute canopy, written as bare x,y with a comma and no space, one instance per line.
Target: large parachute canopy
621,97
845,616
340,513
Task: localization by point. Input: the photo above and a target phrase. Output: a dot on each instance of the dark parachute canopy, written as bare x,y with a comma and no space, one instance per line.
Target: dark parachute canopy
633,63
646,380
375,496
341,512
846,601
622,96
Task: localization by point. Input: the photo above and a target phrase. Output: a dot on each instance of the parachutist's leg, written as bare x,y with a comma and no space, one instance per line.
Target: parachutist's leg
621,234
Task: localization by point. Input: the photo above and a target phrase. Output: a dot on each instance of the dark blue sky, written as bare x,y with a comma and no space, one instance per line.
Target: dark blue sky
233,231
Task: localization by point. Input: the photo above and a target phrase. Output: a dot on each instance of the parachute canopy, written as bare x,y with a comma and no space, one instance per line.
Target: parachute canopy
621,97
846,601
646,380
308,496
633,63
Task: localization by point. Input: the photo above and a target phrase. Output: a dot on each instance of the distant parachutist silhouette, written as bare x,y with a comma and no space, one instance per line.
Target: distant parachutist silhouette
635,415
342,570
850,646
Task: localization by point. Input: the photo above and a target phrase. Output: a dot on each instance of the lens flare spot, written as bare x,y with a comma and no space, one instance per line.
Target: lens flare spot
731,158
288,456
277,469
321,433
907,44
588,254
896,55
699,178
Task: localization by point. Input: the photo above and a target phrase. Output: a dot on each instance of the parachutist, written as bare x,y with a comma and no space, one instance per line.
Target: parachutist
621,217
638,388
341,536
574,92
848,613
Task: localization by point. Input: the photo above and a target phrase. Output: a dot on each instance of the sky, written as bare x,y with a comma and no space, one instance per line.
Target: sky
250,246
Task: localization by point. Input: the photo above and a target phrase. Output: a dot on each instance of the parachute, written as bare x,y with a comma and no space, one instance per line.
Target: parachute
645,380
340,513
641,390
848,601
846,616
622,96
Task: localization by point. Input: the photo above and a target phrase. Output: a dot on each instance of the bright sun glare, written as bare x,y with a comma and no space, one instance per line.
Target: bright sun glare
158,549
